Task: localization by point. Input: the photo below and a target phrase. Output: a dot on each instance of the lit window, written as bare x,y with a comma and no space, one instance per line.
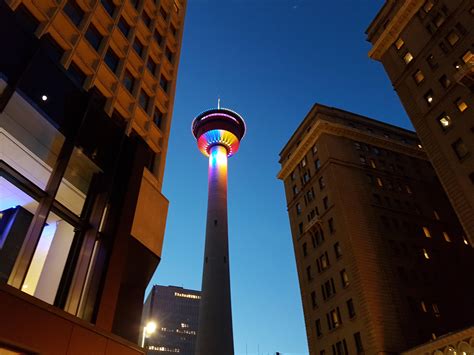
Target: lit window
445,121
372,163
427,6
407,57
425,254
465,240
408,189
452,38
446,237
418,76
315,149
317,164
429,97
436,310
303,162
423,306
335,318
427,233
445,82
439,20
379,182
460,149
344,278
399,43
461,105
467,57
436,215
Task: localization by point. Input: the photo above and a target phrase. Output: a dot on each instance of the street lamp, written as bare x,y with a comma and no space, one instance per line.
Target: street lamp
148,329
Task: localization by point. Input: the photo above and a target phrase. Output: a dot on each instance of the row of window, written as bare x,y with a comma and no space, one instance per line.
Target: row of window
398,204
379,182
424,307
328,288
334,319
340,347
322,262
325,205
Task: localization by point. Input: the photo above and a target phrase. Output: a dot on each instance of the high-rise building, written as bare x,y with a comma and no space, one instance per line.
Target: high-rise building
218,133
175,311
426,48
86,96
460,342
380,254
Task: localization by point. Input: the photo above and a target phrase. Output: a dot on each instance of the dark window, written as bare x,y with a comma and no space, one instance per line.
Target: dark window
337,250
460,149
124,26
146,18
300,227
54,50
308,273
151,65
471,177
358,343
163,13
295,189
164,83
340,348
173,30
158,117
322,184
431,61
350,308
445,82
331,225
128,81
319,331
328,289
144,100
112,60
317,164
305,249
462,30
158,37
134,3
77,74
94,36
169,54
138,46
109,6
326,203
74,12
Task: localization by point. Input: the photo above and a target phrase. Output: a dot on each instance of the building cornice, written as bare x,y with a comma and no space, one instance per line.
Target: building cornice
337,129
395,27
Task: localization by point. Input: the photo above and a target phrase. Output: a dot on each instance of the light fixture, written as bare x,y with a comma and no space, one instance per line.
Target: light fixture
148,329
44,98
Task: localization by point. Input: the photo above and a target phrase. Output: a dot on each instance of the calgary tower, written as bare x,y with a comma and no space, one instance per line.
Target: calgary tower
218,133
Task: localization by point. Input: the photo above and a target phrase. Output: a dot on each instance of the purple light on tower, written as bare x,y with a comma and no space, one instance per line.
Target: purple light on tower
218,133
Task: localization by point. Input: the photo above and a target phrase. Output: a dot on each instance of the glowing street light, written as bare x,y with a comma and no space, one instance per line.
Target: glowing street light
148,329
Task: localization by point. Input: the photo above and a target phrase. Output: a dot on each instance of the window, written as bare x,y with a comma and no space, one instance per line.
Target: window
436,215
144,100
407,58
334,319
438,20
164,83
158,117
372,164
158,37
350,308
74,12
399,43
151,65
298,209
452,38
445,82
460,149
429,97
427,6
169,54
425,253
362,159
305,249
326,203
134,3
112,60
357,145
323,262
337,250
295,190
109,6
461,105
436,310
379,182
445,121
318,328
310,195
77,75
418,77
423,306
358,343
124,26
340,348
321,183
331,225
300,227
317,164
328,289
173,30
308,273
344,278
315,149
443,47
138,46
93,36
431,61
446,237
408,189
303,162
306,177
163,13
128,81
467,57
146,18
426,232
377,198
293,176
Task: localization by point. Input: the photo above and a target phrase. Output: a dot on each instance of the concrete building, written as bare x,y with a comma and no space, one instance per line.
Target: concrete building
426,48
175,311
380,255
218,133
86,96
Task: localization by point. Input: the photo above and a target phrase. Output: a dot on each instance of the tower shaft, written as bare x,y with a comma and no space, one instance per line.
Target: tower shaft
215,316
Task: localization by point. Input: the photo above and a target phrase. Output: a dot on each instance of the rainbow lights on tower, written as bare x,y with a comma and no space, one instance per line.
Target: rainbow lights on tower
218,133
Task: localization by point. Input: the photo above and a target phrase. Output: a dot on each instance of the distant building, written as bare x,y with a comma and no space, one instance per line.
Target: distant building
380,254
175,310
460,342
426,48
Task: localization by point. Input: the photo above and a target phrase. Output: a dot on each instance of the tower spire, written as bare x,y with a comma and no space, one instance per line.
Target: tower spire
218,103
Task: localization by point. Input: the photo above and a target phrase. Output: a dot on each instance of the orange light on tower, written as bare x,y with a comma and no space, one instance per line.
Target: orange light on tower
218,133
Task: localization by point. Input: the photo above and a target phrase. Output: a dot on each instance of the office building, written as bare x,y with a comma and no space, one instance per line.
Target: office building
218,133
460,342
426,47
86,96
381,257
175,311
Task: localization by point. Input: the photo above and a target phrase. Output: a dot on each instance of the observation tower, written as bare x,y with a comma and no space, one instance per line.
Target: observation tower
218,133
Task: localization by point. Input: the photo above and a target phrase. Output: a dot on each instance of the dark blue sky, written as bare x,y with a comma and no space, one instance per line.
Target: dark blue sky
269,60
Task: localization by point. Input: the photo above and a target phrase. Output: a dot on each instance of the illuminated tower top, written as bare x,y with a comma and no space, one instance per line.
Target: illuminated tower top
219,126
